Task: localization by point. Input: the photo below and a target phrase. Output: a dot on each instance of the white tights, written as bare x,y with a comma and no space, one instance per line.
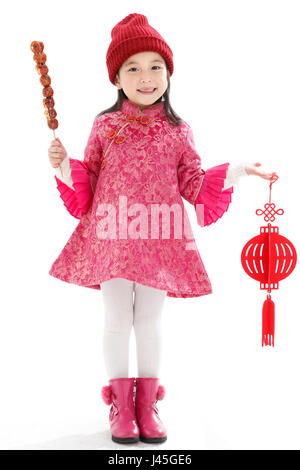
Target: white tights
121,312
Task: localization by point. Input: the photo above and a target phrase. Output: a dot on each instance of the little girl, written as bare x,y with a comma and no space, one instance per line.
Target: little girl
139,162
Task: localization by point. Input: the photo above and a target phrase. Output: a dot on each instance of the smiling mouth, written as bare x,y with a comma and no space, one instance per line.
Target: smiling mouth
147,92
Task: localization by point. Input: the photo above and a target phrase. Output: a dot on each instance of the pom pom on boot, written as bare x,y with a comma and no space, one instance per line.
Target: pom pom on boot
106,394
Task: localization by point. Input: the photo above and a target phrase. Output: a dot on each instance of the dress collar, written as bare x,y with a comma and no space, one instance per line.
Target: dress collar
154,111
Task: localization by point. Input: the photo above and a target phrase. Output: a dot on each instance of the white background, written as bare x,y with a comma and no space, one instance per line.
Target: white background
236,82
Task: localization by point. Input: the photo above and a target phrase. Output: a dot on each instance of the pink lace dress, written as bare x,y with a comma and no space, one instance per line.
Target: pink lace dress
135,162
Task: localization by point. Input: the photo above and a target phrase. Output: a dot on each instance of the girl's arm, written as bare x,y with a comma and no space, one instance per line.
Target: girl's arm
253,169
234,172
210,191
204,189
78,183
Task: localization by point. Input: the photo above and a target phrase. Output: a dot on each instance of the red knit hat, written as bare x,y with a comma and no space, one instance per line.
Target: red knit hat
132,35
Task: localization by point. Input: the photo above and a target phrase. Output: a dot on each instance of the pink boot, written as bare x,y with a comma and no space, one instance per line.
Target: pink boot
148,391
122,418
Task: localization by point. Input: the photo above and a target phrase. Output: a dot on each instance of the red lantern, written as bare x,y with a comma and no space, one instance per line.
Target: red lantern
269,258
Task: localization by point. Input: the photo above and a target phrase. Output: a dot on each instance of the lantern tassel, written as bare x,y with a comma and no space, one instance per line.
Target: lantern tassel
268,322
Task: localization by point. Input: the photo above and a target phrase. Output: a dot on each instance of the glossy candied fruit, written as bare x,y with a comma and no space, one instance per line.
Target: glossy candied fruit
42,69
52,113
40,58
49,102
45,80
47,91
35,46
53,123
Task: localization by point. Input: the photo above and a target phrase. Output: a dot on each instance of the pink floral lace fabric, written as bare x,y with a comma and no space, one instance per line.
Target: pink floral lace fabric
148,162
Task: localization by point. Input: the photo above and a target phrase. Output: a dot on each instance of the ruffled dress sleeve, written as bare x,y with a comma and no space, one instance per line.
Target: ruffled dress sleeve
203,188
78,182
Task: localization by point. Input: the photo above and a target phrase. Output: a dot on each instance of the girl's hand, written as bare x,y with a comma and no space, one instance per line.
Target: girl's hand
253,169
56,153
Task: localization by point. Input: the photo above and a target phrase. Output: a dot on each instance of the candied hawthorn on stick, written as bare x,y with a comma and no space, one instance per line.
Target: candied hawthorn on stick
40,58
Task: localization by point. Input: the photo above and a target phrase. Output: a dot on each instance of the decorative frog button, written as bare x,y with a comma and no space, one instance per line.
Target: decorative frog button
120,139
111,133
144,119
131,117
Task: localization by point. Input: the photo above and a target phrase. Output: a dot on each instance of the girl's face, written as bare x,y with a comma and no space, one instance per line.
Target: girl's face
145,69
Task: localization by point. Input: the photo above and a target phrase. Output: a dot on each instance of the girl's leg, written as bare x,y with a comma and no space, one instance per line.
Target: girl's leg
117,297
147,309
